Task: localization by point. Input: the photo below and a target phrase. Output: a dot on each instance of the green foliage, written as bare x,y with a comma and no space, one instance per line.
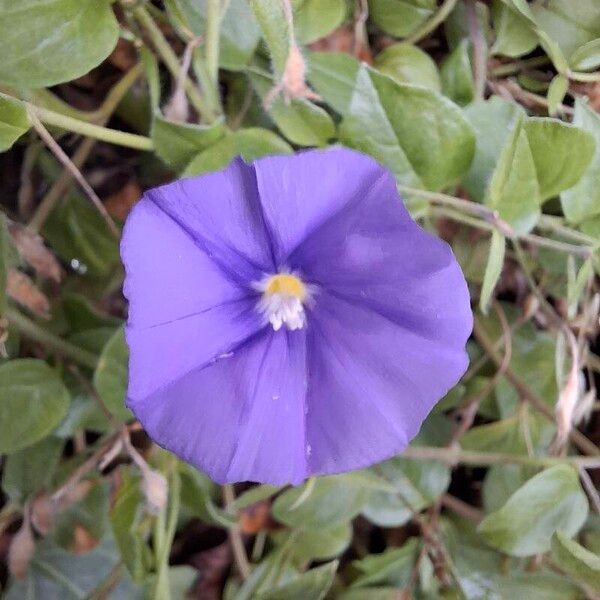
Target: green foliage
14,122
409,64
550,502
575,560
239,31
400,18
33,400
45,43
486,483
110,376
418,134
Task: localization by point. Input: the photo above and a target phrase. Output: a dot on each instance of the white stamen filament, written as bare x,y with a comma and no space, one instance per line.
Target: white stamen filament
282,301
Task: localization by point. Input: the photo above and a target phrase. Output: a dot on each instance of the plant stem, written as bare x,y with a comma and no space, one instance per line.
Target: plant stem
519,65
213,22
580,440
454,456
33,331
491,221
62,157
429,26
479,45
235,538
585,77
556,224
61,185
112,136
171,61
167,524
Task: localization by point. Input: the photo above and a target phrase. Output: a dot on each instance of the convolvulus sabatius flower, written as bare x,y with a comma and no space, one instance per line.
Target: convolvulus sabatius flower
288,318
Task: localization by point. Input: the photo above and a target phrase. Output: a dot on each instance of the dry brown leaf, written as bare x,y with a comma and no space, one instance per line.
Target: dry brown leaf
33,251
124,56
21,549
83,540
255,518
21,289
120,203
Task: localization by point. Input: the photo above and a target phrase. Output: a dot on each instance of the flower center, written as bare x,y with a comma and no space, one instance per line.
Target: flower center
282,300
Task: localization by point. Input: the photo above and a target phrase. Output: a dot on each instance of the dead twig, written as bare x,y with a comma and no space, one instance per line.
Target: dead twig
61,155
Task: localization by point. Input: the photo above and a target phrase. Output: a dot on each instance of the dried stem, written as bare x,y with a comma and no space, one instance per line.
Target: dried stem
61,155
461,508
491,220
479,50
580,440
62,184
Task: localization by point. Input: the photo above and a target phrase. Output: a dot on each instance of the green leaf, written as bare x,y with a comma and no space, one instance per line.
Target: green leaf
513,190
254,495
582,201
409,64
549,502
330,500
274,27
493,270
33,401
300,121
576,561
31,469
239,31
556,92
82,315
79,235
197,493
314,19
110,376
561,152
333,75
515,35
493,121
416,485
14,121
392,567
316,544
418,134
177,143
501,482
250,144
554,51
569,24
312,585
125,516
45,43
55,573
507,435
457,74
372,593
400,17
587,57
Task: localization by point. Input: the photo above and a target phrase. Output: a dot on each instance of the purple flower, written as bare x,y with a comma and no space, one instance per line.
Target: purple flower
288,318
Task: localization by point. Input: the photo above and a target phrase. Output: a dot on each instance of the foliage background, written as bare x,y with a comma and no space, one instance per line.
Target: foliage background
486,112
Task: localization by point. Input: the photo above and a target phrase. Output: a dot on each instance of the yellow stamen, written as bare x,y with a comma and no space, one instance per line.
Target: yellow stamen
286,285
